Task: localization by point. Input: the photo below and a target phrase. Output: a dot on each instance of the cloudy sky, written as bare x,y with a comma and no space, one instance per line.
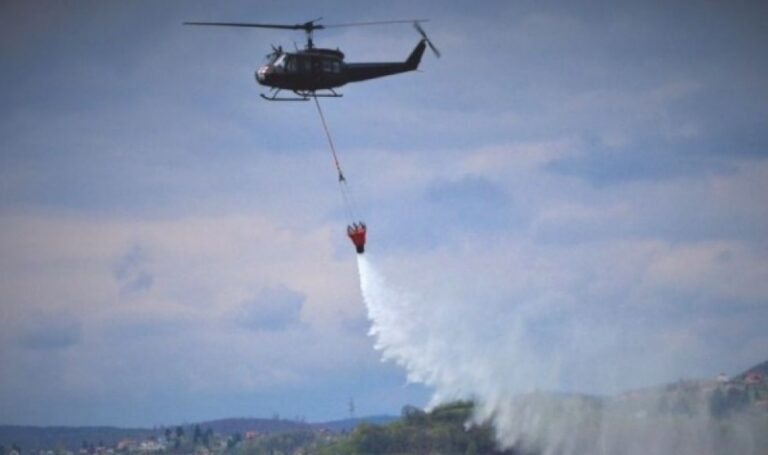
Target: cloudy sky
172,247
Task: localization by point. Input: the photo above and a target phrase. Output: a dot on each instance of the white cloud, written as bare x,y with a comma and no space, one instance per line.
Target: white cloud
186,323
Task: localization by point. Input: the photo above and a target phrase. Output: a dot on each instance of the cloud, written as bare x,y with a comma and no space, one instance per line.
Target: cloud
660,161
130,272
214,288
468,203
274,308
50,332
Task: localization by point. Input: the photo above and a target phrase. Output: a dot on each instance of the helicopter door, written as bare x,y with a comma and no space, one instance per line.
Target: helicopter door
331,66
291,65
304,65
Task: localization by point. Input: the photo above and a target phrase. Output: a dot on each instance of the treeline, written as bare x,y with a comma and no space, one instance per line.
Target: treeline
180,439
727,401
440,431
296,442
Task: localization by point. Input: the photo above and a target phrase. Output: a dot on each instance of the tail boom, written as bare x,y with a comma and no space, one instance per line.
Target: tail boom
363,71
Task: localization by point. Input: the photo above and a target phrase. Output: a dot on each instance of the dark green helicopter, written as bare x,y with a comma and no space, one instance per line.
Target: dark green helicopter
311,70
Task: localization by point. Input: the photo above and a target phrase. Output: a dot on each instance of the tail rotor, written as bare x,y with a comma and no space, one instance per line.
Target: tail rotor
426,39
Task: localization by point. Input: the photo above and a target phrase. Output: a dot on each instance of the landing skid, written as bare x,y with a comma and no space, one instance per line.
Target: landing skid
303,95
275,98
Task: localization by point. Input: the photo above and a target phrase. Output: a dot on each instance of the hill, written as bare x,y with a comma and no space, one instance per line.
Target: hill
38,438
73,438
228,427
344,425
761,368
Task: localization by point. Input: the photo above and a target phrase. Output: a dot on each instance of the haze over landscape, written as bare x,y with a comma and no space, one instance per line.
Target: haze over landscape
572,200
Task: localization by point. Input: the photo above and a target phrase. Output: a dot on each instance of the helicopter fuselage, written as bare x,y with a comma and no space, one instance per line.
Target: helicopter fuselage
304,72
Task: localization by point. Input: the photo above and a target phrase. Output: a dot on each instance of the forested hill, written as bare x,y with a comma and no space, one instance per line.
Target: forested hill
228,427
244,425
761,368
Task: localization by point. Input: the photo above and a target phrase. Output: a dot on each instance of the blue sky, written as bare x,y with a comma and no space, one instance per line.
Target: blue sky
172,247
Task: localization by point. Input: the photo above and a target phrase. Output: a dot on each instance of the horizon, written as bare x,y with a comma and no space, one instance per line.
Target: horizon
170,425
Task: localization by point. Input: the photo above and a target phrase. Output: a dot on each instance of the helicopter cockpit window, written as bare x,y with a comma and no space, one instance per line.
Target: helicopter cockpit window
327,66
336,67
279,61
271,58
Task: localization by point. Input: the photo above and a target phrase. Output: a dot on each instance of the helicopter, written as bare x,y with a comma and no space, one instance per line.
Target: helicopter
317,72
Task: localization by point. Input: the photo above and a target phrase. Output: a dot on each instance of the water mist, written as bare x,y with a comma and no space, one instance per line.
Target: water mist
495,355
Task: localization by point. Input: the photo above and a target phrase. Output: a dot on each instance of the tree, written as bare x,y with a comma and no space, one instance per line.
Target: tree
718,407
234,440
179,436
413,415
370,439
197,435
208,437
737,399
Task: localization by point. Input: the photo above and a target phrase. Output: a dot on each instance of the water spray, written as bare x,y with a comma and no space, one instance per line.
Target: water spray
455,349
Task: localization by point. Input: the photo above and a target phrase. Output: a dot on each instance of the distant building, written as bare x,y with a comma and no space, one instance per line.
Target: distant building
151,445
126,444
722,378
753,378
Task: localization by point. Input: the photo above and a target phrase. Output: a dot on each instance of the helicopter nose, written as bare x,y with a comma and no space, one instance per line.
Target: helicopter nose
263,73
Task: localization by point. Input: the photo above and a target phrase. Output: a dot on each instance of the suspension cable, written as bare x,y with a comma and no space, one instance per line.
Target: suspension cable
330,140
346,194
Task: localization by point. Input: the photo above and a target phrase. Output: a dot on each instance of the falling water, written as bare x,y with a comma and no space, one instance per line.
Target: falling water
462,351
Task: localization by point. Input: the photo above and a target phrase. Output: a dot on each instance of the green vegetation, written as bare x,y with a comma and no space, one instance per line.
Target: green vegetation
440,431
728,400
294,443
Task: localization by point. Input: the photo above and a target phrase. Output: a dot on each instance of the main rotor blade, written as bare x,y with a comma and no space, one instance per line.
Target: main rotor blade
308,25
420,29
358,24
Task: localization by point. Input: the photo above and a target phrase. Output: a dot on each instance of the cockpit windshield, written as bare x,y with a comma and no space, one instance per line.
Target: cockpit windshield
279,61
283,62
272,58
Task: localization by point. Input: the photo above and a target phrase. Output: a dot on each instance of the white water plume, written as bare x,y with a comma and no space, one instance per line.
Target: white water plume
494,355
